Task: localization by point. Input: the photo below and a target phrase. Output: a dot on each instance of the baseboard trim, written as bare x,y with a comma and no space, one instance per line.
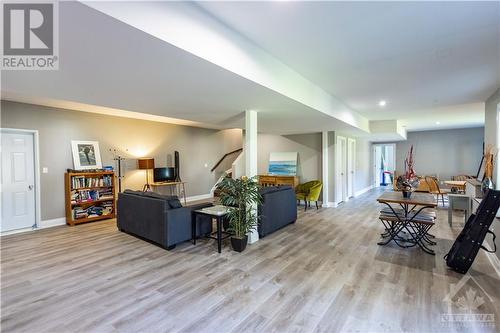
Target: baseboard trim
17,231
366,189
199,197
495,261
329,204
52,223
43,224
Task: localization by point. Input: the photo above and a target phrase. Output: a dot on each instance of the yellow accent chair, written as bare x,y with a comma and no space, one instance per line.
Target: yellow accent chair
308,192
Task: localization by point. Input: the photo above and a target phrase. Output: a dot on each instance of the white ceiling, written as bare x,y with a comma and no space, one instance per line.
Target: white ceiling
107,63
416,55
432,62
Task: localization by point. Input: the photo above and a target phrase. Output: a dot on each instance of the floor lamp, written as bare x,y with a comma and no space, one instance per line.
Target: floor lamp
147,164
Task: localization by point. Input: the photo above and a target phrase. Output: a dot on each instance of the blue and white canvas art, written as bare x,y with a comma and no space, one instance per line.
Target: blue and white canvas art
284,163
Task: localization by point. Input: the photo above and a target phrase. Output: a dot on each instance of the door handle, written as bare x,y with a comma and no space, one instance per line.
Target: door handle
30,187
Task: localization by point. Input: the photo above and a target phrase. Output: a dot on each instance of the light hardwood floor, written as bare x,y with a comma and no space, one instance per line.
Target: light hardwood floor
325,273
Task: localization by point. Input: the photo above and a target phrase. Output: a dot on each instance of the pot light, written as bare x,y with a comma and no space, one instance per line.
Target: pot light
438,122
382,103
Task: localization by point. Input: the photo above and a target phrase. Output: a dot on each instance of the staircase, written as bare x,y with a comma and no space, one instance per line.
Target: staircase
237,154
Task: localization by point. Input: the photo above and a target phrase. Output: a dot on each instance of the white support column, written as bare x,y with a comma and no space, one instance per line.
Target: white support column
325,166
251,156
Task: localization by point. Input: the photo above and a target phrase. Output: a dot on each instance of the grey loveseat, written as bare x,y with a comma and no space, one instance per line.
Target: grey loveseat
278,209
159,219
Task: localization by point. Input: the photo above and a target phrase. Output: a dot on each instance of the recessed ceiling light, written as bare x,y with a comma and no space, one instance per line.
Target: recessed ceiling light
382,103
438,122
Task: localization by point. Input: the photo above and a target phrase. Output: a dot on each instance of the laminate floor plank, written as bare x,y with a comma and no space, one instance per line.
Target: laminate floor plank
324,273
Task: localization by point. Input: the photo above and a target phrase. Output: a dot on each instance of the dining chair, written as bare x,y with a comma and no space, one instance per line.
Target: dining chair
434,188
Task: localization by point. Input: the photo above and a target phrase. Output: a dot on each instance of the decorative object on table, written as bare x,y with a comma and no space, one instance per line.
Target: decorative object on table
146,163
408,182
469,242
283,163
86,155
240,195
489,157
308,192
177,167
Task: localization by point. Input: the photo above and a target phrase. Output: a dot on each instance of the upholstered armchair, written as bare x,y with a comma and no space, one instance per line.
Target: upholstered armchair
308,192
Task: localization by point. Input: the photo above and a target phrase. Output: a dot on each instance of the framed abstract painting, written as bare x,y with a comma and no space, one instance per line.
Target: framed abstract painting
284,163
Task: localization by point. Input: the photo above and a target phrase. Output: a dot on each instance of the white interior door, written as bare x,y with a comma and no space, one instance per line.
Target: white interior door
341,158
351,165
377,159
18,181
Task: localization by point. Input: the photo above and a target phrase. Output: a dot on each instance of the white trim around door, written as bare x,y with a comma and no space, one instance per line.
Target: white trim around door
341,169
351,167
36,162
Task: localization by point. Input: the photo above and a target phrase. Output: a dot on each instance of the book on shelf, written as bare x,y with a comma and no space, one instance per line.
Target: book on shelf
78,196
89,181
106,208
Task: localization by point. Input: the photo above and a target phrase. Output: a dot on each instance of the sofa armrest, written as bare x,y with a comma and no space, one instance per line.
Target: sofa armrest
178,225
144,217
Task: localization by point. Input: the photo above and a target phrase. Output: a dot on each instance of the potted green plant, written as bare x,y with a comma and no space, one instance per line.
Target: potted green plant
241,195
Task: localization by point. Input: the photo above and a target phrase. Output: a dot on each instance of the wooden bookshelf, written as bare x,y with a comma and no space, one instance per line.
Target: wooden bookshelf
90,196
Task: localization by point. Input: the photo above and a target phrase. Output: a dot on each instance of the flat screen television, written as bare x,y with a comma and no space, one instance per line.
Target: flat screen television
164,175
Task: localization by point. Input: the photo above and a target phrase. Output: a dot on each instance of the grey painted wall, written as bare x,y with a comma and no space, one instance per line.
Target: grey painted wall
364,170
443,153
307,145
132,138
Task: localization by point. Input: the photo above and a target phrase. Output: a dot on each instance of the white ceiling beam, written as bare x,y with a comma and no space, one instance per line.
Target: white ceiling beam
186,26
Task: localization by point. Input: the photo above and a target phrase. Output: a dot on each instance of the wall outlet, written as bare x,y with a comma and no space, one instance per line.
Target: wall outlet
45,170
